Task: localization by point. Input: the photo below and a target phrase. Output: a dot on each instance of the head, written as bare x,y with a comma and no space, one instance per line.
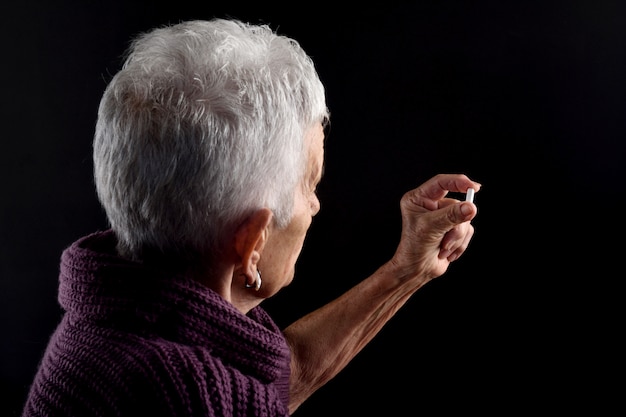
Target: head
205,123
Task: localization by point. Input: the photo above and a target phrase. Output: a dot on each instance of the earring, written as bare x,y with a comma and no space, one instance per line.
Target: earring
257,281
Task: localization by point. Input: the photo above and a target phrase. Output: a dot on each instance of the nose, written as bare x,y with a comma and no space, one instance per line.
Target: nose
315,205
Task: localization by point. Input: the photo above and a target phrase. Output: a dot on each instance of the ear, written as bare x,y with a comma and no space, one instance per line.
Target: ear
250,239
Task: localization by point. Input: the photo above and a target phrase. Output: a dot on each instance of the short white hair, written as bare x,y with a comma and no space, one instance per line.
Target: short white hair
205,123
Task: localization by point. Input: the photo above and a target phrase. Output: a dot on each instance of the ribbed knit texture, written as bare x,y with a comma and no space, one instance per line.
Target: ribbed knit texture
137,342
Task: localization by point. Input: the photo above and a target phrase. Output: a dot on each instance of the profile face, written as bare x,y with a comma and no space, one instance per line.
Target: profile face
283,246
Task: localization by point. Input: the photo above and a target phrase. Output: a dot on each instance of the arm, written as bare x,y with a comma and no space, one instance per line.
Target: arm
435,231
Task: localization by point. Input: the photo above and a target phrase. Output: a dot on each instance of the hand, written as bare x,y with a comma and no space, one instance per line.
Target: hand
436,229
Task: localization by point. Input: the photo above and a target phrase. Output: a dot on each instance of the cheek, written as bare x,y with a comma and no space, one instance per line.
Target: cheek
294,240
301,220
286,245
297,233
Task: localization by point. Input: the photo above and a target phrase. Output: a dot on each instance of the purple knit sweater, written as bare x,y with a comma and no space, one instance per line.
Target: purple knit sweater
137,342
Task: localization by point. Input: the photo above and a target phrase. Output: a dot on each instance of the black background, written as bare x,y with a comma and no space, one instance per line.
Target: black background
528,98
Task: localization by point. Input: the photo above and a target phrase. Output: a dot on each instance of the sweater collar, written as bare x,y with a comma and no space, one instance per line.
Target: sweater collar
99,286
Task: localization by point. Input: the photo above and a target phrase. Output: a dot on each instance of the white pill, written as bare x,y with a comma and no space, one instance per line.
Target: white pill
470,195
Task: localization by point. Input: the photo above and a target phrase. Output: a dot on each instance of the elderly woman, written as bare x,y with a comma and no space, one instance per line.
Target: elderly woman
208,148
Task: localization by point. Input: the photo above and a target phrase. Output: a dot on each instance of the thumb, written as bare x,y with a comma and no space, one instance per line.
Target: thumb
466,211
456,214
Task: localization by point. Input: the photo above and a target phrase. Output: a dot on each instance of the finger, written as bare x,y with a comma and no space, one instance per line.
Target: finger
445,202
438,186
457,247
453,239
463,247
449,217
413,202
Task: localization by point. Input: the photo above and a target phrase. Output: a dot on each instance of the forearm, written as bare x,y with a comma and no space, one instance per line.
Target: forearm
325,341
436,230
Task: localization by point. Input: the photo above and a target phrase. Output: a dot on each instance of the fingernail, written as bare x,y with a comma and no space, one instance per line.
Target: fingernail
465,209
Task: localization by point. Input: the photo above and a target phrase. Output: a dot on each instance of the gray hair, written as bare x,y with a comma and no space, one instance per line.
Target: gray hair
204,124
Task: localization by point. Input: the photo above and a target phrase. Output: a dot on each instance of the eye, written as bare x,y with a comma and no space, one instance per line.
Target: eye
326,126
